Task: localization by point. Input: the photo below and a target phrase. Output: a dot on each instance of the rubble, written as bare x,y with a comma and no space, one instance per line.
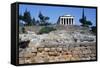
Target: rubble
60,45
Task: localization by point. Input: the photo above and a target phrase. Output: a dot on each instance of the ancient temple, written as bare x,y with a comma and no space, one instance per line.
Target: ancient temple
66,20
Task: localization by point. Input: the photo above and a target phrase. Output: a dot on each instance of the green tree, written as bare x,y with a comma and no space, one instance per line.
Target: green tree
33,21
43,19
84,21
27,18
89,23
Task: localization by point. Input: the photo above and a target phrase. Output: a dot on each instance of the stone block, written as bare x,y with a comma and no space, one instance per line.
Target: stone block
46,49
75,58
53,53
34,49
40,49
65,49
59,49
52,49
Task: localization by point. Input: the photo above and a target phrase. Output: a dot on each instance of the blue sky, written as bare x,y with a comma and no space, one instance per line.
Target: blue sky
56,11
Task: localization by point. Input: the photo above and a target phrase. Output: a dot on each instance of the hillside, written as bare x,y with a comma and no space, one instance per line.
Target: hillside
67,43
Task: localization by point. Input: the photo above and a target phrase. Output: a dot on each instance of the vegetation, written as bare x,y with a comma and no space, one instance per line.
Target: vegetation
29,21
43,19
46,30
93,29
23,30
26,18
33,21
84,21
87,23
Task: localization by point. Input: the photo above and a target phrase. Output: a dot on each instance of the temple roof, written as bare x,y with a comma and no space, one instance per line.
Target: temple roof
67,15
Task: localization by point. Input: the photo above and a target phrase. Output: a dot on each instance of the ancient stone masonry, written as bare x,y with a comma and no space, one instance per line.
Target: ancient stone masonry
56,54
57,46
66,20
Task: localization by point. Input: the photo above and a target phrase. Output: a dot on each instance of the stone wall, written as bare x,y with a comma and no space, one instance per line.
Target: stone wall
58,46
43,54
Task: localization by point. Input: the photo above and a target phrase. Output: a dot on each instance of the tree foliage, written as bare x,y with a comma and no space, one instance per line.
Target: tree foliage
27,18
33,21
84,21
93,29
43,19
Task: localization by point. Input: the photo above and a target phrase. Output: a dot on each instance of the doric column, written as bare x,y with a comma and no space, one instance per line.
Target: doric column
63,21
71,21
68,21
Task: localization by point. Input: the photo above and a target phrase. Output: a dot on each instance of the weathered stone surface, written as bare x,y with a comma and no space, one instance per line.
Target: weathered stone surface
21,60
59,49
53,54
21,54
75,58
47,49
40,49
27,60
65,48
52,49
59,45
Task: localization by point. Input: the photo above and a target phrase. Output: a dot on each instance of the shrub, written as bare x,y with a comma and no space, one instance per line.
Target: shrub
23,30
46,30
93,29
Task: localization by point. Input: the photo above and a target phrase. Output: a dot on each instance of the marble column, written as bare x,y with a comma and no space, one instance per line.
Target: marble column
68,21
71,21
61,21
64,21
